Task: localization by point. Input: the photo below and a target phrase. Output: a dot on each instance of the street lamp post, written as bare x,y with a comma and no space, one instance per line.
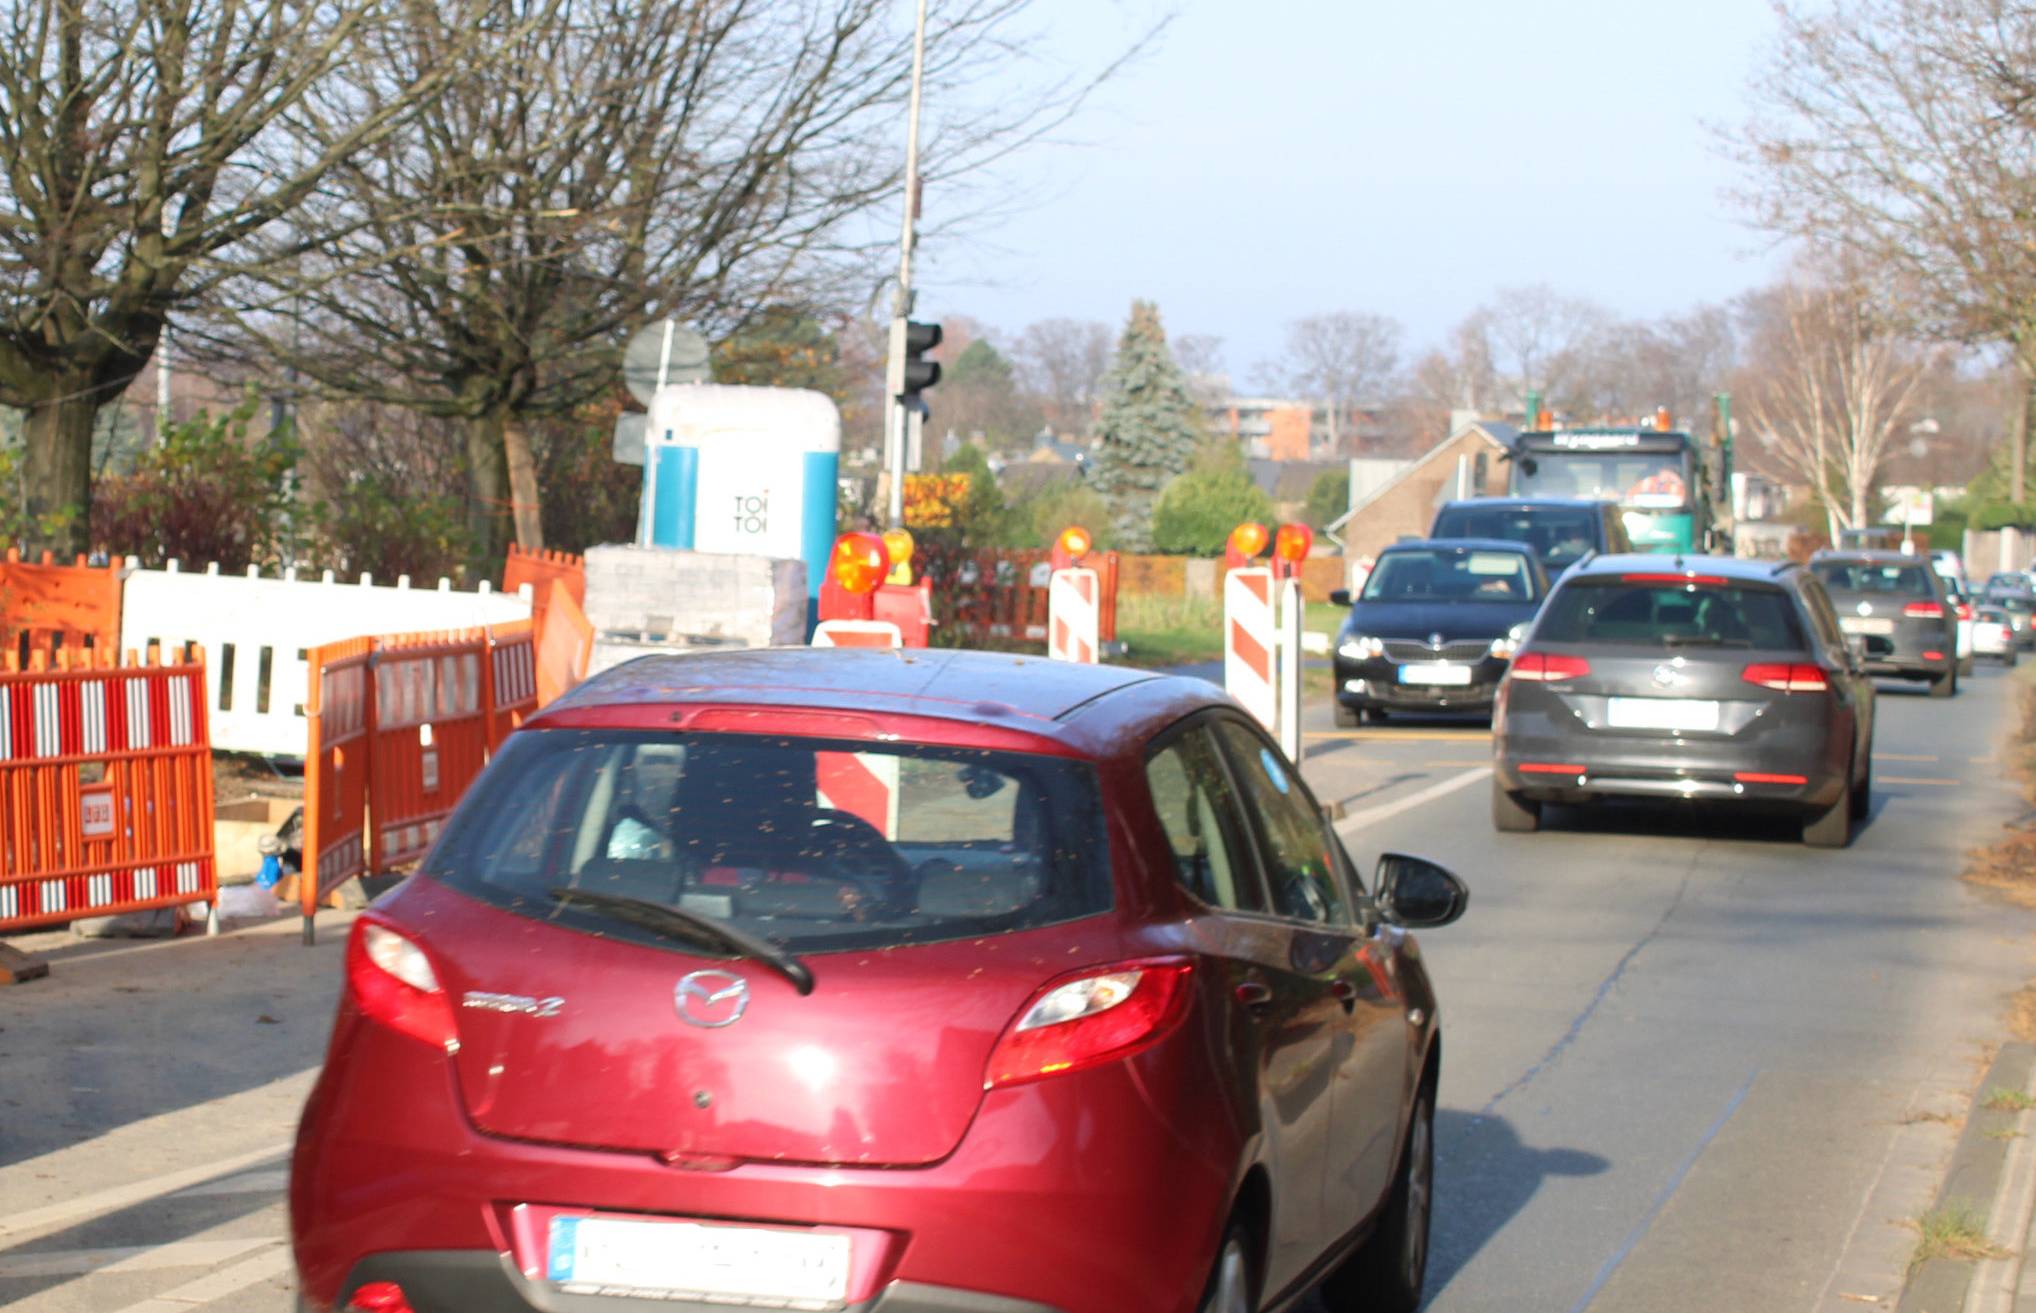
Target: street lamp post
897,417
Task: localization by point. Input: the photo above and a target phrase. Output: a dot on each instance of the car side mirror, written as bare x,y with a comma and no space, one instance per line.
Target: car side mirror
1417,893
1340,597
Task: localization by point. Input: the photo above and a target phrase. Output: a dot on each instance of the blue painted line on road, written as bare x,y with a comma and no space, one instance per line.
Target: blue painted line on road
1675,1182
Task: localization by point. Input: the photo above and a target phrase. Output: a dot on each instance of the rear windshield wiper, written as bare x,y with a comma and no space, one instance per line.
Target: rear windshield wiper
1704,640
691,926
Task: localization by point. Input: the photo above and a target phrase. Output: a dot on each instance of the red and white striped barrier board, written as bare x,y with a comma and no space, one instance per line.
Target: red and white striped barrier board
1250,663
105,792
1073,616
863,784
857,633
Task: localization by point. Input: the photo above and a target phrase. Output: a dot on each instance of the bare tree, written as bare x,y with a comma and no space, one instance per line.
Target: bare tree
1200,356
1541,339
1343,359
1836,379
1904,132
128,135
1062,362
627,159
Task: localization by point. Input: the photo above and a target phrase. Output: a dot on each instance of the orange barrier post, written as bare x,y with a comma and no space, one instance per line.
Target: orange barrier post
51,608
105,790
430,739
511,694
340,710
541,570
565,645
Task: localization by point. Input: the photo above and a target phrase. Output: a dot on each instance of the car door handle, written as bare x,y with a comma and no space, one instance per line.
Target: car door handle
1254,994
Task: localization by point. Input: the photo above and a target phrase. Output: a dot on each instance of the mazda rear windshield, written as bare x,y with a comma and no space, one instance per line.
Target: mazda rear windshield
1649,613
811,844
1895,580
1450,574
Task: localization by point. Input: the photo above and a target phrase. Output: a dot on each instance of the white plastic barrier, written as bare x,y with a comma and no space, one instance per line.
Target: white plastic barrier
857,633
256,632
1250,638
1072,618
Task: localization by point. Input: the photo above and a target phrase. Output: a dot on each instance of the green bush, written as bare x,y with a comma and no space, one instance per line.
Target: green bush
203,493
376,526
1198,510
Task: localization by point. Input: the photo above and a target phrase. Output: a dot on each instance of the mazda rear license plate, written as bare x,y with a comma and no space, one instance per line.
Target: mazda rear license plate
1435,672
1661,713
686,1260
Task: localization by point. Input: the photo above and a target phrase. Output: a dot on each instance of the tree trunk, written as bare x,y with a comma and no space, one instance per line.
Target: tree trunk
487,504
523,491
56,482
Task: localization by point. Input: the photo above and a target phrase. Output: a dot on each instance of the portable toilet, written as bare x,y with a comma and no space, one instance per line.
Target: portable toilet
747,470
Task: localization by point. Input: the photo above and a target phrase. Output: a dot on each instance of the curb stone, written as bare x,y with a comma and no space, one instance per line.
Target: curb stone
1972,1181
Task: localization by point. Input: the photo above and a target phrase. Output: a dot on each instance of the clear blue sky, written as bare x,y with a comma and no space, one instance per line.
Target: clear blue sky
1275,158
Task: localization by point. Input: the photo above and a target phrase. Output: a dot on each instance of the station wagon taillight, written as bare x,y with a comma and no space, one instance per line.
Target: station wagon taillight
1096,1017
392,982
1548,668
1924,610
1786,677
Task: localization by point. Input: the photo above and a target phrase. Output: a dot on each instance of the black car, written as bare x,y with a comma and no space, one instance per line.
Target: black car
1435,626
1693,678
1900,609
1560,531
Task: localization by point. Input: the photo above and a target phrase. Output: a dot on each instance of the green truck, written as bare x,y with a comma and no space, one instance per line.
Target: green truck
1656,476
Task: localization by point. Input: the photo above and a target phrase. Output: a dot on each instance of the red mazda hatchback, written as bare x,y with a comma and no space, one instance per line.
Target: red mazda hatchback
936,982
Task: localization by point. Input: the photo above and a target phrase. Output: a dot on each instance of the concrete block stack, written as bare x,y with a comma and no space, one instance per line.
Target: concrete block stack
642,600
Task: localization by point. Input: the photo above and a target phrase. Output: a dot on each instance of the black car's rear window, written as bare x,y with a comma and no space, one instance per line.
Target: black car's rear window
1556,534
1646,613
1896,580
810,843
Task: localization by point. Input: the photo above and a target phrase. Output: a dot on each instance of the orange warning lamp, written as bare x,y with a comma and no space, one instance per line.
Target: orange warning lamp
1075,541
898,546
1249,539
858,561
1293,542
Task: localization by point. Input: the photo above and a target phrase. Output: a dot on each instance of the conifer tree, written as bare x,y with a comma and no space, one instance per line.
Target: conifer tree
1148,431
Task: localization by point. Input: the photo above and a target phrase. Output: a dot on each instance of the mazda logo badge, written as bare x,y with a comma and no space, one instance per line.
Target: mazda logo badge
712,999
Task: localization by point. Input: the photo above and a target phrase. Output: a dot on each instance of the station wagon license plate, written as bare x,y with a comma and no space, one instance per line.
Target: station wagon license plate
1661,713
1435,673
686,1260
1853,624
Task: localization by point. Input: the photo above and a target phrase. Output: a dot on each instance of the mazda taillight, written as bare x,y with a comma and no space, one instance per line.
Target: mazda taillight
1924,610
1547,668
1099,1016
1785,677
393,984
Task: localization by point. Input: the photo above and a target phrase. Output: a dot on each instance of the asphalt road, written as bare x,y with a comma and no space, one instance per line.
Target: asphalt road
1685,1056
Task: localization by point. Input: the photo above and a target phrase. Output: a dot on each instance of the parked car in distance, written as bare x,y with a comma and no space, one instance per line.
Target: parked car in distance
2020,604
1434,627
1559,531
1964,608
2015,580
1705,679
1993,634
882,981
1901,611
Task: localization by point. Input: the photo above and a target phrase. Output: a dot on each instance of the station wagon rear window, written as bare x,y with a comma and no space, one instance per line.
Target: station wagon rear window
1615,609
1896,580
813,844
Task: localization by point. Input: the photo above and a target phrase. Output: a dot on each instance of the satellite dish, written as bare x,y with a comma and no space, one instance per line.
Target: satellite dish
664,352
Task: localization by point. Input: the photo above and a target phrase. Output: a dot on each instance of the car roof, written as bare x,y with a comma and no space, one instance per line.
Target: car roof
1529,503
1875,556
1729,567
1096,710
1513,545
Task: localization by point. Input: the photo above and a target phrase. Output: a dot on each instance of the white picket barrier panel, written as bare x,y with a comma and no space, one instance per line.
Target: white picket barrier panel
1073,620
1250,639
1292,614
257,631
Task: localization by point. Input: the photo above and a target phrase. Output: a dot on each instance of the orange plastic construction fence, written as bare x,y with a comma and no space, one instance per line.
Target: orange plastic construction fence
105,790
540,570
50,608
430,739
565,644
340,712
512,678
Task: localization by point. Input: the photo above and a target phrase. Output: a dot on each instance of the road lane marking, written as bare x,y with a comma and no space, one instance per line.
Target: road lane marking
1904,756
1456,761
218,1285
129,1258
1675,1182
134,1192
1915,779
1350,824
274,1181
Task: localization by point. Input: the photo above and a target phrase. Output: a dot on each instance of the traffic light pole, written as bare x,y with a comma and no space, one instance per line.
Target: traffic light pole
897,434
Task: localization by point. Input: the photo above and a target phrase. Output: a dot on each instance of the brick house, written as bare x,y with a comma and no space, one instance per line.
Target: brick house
1467,463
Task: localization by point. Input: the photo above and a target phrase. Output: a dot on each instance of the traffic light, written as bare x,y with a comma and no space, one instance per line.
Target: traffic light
910,372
